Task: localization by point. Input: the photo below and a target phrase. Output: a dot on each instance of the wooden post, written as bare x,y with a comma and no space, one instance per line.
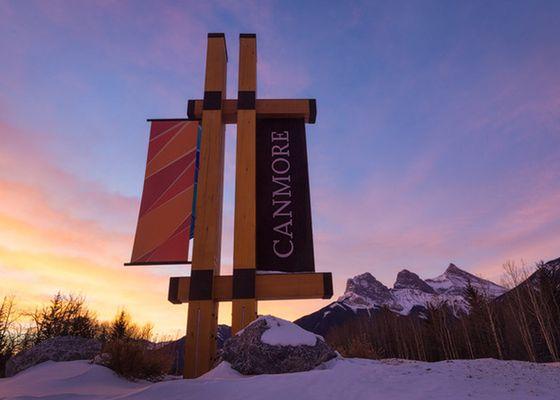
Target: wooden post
200,348
244,307
205,287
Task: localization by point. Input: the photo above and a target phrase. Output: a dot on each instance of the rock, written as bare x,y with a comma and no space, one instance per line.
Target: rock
364,291
272,345
409,280
369,288
62,348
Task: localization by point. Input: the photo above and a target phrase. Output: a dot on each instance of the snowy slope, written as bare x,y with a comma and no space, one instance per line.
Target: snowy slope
339,379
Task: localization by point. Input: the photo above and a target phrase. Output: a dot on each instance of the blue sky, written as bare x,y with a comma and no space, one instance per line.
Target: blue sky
436,139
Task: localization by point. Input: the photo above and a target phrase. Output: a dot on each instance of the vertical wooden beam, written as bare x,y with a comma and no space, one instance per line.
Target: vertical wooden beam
200,348
244,307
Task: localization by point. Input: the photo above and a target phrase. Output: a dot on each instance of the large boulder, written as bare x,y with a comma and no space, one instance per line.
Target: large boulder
61,348
272,345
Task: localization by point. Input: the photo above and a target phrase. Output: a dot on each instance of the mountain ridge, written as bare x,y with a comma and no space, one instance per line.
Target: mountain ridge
410,295
409,290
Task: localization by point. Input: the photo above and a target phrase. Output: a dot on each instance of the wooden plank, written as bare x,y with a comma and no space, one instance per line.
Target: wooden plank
316,285
208,226
291,286
244,310
266,108
247,62
202,324
216,64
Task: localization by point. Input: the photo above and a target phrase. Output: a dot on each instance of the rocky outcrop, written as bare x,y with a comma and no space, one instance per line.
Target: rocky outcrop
364,291
271,345
366,286
409,280
62,348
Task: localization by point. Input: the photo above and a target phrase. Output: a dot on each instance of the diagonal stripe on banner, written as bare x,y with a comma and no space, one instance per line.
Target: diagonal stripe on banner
155,227
158,144
174,247
167,126
173,150
183,182
156,185
185,224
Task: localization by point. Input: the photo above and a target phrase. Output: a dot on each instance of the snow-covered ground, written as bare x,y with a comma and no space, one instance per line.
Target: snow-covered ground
338,379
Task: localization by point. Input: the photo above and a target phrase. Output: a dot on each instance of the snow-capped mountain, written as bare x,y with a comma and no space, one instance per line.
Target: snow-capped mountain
410,294
409,290
454,280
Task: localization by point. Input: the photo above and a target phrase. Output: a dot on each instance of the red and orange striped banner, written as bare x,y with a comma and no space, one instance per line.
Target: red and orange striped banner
165,219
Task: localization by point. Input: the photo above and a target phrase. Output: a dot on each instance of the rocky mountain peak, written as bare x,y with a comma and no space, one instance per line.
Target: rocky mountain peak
454,280
365,284
453,269
364,289
409,291
409,280
365,295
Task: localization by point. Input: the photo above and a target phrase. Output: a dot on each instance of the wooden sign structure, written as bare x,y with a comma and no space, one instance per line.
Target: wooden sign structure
205,288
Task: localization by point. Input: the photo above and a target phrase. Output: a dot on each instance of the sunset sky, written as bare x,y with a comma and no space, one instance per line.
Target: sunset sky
437,137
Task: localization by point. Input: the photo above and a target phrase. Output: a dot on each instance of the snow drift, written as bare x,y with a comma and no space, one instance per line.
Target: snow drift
337,379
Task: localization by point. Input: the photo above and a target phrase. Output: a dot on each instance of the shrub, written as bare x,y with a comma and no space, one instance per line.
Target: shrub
130,352
65,315
133,359
8,338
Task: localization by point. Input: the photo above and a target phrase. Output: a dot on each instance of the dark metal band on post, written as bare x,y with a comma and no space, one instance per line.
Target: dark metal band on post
312,111
244,283
202,281
246,100
190,110
173,293
327,285
212,100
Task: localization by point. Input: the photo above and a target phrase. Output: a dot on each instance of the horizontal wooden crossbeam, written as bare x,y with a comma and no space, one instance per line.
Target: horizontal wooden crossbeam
267,287
266,108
